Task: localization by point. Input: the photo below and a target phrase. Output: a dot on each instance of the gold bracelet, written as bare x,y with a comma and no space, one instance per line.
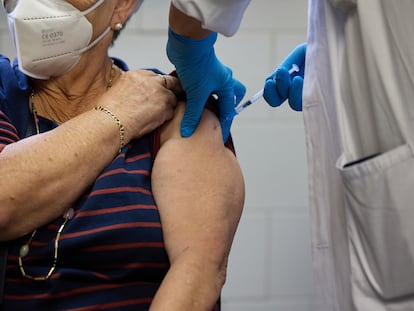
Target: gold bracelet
118,122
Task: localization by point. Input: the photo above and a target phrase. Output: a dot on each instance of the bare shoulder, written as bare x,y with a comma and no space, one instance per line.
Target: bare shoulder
208,131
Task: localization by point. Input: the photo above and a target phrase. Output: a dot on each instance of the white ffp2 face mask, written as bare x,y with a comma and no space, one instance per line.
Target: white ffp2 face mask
50,35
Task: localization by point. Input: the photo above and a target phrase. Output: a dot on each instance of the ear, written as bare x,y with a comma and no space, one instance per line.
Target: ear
123,10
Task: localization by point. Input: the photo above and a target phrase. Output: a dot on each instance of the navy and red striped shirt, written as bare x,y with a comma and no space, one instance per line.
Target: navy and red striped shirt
111,253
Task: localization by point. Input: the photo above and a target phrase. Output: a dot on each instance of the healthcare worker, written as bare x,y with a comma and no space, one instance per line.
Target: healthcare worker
358,113
359,127
191,37
194,25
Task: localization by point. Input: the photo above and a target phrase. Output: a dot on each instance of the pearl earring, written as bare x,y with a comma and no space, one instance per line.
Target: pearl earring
118,27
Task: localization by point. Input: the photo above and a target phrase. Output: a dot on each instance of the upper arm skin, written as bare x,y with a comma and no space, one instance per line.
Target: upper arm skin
199,190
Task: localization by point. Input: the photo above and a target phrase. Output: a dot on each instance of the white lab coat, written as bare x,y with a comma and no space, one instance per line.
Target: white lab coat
357,105
223,16
359,126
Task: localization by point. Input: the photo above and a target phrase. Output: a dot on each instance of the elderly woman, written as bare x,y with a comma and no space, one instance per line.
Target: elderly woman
103,205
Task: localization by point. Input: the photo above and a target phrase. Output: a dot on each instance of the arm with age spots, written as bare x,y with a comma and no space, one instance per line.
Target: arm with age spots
42,175
199,190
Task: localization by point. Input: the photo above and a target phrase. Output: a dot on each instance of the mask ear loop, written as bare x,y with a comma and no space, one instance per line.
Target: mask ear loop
93,7
100,37
92,44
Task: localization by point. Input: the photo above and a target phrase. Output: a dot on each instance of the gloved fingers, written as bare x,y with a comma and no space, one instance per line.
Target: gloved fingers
194,108
190,121
301,54
279,85
202,74
226,104
295,94
282,79
271,95
239,91
225,126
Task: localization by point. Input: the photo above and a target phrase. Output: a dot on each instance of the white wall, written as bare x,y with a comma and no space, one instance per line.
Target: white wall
270,264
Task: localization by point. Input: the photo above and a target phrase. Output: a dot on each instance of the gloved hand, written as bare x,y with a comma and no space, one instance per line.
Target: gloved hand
201,74
281,85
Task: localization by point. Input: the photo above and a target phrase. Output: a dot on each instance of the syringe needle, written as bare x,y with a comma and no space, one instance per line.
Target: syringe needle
240,107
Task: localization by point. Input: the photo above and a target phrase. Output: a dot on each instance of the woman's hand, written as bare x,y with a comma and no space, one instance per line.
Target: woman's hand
142,100
67,160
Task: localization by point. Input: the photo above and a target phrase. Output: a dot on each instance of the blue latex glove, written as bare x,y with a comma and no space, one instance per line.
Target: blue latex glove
202,74
281,85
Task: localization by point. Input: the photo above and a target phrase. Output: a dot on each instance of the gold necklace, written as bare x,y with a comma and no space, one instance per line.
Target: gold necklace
24,250
33,108
68,215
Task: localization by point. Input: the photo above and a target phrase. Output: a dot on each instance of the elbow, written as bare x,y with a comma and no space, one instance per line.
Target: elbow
9,206
5,221
10,217
216,266
222,275
216,273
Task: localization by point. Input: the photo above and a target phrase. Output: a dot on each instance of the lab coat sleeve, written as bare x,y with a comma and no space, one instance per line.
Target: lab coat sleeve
222,16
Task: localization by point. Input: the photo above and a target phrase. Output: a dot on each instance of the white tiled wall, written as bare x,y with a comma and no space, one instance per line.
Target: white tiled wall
270,264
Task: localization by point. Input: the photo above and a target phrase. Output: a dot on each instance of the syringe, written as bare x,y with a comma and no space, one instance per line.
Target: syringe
240,107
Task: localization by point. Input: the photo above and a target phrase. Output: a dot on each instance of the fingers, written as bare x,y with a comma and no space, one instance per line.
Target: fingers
295,94
171,83
282,80
282,84
194,109
164,80
277,90
239,91
226,105
190,120
228,98
271,95
143,100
